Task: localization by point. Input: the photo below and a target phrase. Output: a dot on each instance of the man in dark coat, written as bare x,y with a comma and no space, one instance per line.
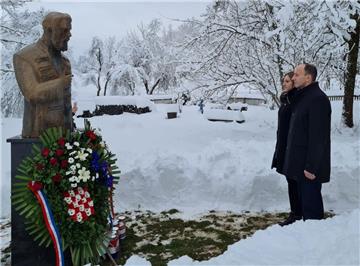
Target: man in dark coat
307,156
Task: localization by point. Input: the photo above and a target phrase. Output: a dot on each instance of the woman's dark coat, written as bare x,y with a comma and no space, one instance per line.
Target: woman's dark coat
284,115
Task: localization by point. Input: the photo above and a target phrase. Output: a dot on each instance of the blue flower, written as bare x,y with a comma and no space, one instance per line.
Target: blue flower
109,181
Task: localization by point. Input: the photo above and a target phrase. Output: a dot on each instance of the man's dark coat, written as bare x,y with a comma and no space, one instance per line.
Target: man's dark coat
308,142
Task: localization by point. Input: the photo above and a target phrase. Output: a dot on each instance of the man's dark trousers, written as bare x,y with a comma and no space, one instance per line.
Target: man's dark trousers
310,198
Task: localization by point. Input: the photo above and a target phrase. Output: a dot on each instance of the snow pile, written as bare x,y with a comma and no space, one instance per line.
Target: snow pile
172,108
169,163
136,260
172,163
224,115
328,242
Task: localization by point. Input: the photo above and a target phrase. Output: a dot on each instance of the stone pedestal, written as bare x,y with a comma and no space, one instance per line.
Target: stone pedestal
24,251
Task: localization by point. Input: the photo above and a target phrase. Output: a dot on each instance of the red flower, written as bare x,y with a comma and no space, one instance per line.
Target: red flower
57,178
90,134
53,161
39,166
64,164
59,152
61,142
45,152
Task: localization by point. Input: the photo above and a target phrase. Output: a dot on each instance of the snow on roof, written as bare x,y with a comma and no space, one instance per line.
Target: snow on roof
228,115
138,101
247,92
160,96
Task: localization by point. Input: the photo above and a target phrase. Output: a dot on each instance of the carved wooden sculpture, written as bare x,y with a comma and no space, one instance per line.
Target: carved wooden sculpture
44,78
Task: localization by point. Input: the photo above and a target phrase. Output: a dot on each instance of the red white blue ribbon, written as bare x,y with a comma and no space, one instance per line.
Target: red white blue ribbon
36,188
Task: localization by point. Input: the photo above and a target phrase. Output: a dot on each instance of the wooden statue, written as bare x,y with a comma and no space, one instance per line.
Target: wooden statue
44,78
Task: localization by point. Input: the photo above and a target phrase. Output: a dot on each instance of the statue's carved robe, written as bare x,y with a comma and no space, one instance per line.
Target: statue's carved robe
47,101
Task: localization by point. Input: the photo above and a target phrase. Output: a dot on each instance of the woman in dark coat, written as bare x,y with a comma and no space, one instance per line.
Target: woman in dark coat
284,116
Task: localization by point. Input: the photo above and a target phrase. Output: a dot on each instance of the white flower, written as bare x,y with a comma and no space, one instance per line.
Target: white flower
75,204
84,174
88,211
93,178
71,212
71,160
69,172
78,165
72,194
68,146
81,208
72,153
80,190
81,155
76,143
97,175
89,150
87,194
79,217
102,144
73,185
83,200
73,167
67,200
72,179
78,197
91,203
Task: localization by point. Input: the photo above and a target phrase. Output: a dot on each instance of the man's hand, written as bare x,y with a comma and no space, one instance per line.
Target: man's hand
309,175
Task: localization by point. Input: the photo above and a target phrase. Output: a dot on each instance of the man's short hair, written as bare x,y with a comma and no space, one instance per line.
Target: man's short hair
311,70
53,18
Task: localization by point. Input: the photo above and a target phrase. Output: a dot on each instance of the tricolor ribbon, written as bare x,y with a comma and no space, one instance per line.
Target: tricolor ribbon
36,188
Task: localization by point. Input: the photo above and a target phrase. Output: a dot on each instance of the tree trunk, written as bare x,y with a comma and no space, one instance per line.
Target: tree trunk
153,87
108,78
98,86
351,70
146,86
99,58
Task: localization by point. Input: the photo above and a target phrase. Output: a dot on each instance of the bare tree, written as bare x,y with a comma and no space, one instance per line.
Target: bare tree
18,28
256,42
101,64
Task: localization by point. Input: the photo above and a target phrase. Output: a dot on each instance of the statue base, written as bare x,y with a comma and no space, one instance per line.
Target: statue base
24,251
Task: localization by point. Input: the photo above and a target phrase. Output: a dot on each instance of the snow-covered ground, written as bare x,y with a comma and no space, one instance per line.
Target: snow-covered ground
329,242
195,165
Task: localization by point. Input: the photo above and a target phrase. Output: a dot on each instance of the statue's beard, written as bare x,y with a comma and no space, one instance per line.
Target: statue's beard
61,45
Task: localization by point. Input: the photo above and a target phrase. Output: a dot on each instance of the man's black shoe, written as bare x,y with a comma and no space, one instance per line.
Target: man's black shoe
291,219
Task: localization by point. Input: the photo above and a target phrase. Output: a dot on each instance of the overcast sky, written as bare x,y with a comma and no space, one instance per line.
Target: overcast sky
116,18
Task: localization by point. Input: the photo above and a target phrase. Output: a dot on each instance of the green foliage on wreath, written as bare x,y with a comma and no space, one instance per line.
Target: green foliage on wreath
49,164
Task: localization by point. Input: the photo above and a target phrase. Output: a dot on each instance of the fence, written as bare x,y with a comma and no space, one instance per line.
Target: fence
341,97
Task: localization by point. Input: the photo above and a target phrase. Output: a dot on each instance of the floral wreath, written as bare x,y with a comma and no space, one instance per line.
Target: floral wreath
64,191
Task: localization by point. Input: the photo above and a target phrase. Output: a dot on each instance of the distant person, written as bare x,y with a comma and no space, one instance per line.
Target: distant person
284,115
201,106
185,98
307,156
